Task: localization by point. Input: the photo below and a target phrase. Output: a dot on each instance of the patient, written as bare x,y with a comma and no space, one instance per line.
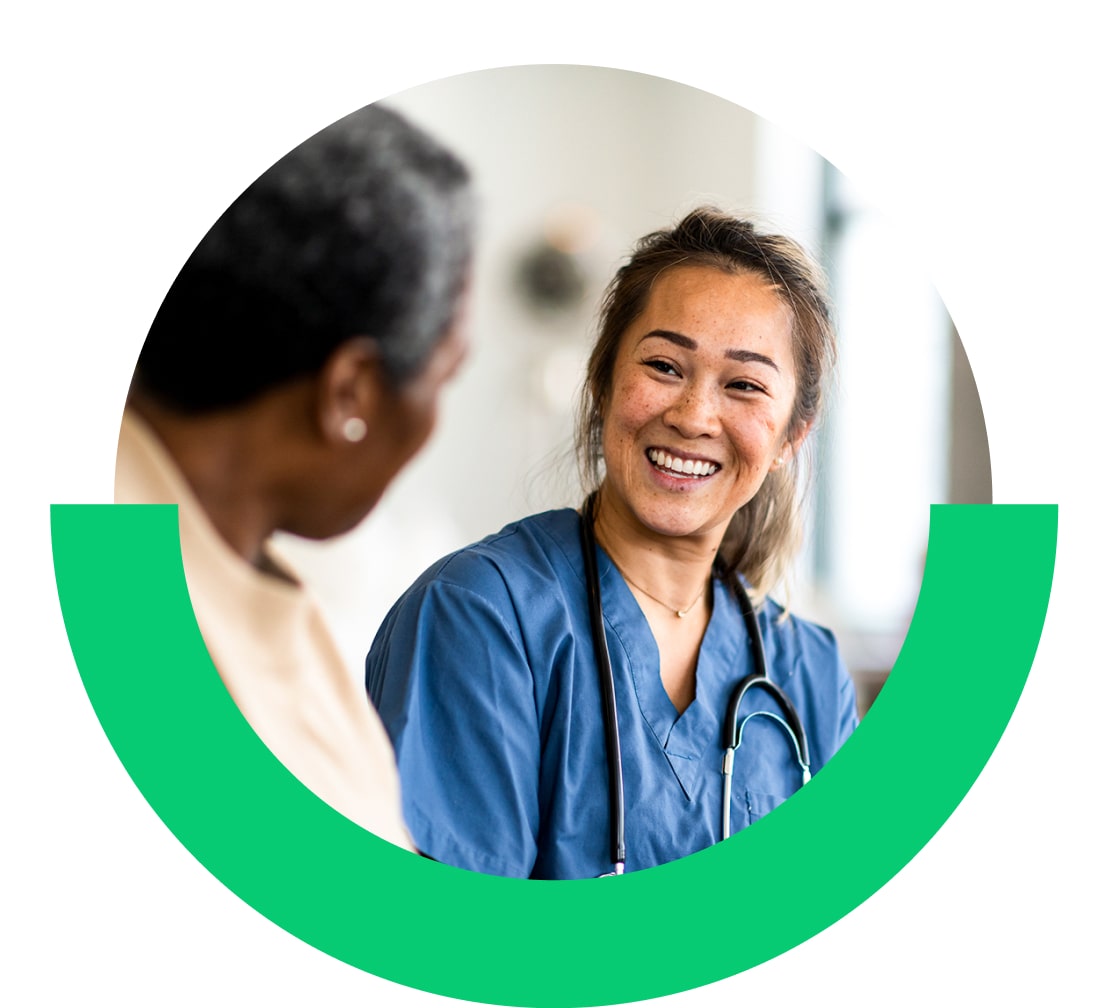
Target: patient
292,370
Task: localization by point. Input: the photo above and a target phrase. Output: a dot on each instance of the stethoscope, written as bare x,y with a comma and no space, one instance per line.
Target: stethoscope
733,734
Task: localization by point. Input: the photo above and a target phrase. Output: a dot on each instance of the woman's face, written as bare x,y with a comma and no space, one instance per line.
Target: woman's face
701,398
399,422
408,414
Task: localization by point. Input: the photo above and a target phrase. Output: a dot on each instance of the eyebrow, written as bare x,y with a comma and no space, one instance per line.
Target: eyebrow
743,356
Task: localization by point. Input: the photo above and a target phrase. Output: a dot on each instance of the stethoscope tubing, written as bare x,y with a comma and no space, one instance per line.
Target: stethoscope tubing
733,728
607,686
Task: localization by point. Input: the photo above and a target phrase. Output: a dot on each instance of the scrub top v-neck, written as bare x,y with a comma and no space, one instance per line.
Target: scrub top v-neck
484,676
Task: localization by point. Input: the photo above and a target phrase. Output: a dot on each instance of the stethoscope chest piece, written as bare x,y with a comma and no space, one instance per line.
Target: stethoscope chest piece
733,725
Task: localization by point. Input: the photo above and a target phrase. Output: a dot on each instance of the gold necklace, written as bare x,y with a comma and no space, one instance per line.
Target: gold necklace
589,513
680,613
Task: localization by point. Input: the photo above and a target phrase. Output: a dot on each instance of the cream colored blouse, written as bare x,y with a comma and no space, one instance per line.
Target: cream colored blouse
274,653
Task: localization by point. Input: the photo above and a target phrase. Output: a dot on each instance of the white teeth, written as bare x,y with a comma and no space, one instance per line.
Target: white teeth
684,467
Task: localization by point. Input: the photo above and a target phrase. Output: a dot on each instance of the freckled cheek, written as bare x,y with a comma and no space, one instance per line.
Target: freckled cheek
768,427
620,436
633,406
756,442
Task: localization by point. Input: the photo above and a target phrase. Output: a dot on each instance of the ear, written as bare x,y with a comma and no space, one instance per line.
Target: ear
792,446
349,389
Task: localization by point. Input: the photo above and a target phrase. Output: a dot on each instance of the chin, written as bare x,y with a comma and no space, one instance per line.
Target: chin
332,525
355,520
673,521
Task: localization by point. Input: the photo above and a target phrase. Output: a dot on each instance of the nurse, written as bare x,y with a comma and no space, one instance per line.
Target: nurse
714,350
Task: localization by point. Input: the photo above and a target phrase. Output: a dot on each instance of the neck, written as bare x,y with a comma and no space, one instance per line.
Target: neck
228,460
673,571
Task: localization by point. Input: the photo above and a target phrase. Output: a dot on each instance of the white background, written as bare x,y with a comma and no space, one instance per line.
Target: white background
978,127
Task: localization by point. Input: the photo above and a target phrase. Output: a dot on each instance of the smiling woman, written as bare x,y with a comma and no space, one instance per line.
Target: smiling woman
577,672
699,413
696,382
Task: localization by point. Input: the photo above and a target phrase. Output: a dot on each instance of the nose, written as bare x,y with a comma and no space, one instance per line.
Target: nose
694,414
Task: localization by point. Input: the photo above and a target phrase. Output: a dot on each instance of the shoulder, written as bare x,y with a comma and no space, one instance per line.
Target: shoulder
803,657
506,597
776,620
797,646
509,578
526,555
145,471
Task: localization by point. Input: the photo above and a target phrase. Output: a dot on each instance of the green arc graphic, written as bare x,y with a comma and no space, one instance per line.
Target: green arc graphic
267,838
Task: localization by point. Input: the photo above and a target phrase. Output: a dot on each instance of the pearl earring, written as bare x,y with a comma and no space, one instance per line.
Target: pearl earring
354,429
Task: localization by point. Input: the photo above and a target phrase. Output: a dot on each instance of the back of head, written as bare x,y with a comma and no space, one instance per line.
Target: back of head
363,230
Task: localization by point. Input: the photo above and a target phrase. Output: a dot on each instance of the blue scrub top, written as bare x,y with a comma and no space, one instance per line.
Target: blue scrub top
484,675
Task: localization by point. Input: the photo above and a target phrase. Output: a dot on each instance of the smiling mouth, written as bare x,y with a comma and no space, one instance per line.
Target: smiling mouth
679,467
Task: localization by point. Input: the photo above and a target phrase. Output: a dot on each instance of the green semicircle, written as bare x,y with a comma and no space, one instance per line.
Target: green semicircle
166,712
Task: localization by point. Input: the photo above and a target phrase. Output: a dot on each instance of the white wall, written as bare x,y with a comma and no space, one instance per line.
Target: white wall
634,151
630,152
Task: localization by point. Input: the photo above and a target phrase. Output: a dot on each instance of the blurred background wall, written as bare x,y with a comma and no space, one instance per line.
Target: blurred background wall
572,164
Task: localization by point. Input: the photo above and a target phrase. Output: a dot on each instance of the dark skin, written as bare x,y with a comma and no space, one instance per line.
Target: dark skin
283,461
